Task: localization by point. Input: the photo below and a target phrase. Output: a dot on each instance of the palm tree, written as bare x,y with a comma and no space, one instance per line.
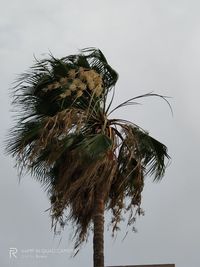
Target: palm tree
86,161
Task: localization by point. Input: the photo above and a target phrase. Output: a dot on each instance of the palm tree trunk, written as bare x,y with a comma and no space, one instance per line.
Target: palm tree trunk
98,238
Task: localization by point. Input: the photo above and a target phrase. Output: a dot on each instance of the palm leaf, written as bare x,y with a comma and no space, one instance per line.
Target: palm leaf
94,147
130,101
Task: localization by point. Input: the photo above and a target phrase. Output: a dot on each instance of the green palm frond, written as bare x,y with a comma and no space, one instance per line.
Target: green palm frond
131,101
153,152
95,146
147,150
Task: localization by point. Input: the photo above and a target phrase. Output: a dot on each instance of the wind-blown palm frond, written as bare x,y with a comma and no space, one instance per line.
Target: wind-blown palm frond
65,139
131,102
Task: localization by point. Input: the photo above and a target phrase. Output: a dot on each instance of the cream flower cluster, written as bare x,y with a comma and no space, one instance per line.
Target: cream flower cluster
92,79
82,79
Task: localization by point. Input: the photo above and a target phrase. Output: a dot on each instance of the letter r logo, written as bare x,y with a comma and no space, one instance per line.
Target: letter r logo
13,252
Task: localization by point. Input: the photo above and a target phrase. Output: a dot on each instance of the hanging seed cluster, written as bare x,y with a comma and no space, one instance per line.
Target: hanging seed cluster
77,81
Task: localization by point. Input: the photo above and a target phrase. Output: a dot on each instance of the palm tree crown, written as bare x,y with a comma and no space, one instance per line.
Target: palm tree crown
65,138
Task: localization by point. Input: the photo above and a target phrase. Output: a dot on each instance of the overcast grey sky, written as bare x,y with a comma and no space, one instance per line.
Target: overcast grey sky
155,46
